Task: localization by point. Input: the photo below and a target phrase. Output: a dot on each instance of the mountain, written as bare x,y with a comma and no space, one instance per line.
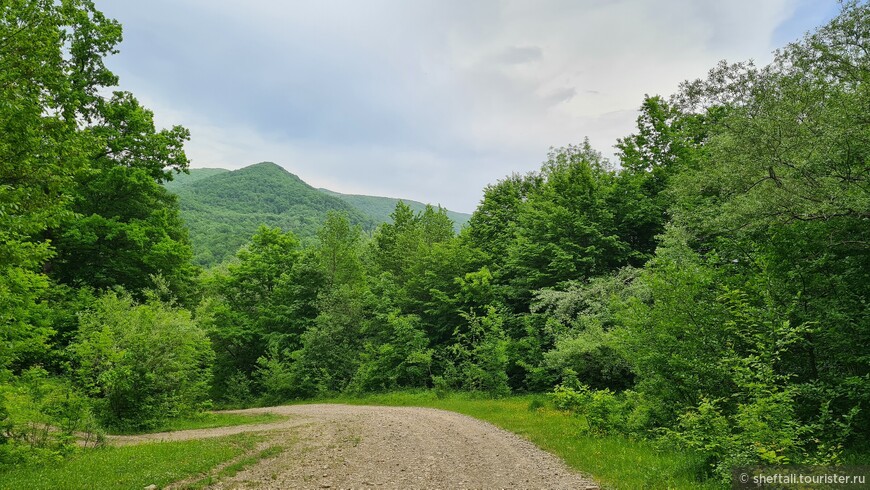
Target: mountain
380,208
223,208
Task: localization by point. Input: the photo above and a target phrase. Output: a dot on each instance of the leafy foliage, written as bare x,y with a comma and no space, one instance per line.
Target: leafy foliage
255,303
41,418
478,359
81,210
142,363
222,211
379,209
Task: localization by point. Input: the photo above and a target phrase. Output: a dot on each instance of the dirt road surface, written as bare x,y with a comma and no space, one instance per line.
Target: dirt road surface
344,446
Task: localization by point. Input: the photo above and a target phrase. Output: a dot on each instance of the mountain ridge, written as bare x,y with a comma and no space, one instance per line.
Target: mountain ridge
223,208
380,207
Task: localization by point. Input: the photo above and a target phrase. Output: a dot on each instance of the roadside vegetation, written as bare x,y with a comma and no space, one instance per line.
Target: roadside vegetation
615,461
706,292
135,466
209,420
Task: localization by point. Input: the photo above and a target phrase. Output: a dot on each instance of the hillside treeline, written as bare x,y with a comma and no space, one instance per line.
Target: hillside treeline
221,209
708,289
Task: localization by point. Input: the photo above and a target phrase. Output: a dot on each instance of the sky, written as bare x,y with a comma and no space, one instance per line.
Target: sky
425,100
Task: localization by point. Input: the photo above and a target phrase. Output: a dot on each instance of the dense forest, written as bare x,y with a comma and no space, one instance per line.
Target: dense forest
222,209
708,289
380,209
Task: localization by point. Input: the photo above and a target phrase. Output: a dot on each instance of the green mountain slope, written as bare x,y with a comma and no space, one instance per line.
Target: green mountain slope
224,209
380,208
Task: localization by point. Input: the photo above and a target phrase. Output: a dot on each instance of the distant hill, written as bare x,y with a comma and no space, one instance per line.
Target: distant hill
223,208
380,208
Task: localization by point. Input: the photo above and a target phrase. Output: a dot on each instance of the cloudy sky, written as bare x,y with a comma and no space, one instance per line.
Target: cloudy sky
428,100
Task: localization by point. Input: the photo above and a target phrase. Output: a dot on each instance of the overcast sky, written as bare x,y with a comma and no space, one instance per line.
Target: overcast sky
427,100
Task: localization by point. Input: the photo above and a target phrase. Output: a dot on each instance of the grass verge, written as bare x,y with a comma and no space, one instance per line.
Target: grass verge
233,468
209,420
614,461
129,467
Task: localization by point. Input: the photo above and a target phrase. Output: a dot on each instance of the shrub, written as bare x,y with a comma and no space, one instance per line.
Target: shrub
41,417
238,390
142,363
396,356
275,377
600,408
441,387
586,355
478,360
605,412
763,431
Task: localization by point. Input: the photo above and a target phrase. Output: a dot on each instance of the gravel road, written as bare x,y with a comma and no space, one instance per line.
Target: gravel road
345,446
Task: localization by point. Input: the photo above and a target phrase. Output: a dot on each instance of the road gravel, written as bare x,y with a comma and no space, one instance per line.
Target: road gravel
350,446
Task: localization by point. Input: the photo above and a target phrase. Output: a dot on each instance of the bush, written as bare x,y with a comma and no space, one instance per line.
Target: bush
141,363
238,391
600,408
761,432
441,387
275,377
41,418
329,357
605,412
479,359
397,356
586,356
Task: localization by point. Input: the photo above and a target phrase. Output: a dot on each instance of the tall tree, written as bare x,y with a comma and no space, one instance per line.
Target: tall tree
251,305
565,231
127,227
665,142
51,72
338,251
494,223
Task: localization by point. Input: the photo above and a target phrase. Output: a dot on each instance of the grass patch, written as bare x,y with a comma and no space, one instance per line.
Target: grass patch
615,461
233,468
208,420
131,466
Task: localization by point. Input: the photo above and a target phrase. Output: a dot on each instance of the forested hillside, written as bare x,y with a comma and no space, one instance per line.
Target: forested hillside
379,209
222,209
708,290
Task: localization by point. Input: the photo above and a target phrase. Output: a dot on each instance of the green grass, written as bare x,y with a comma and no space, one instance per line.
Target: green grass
209,420
614,461
232,469
131,467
